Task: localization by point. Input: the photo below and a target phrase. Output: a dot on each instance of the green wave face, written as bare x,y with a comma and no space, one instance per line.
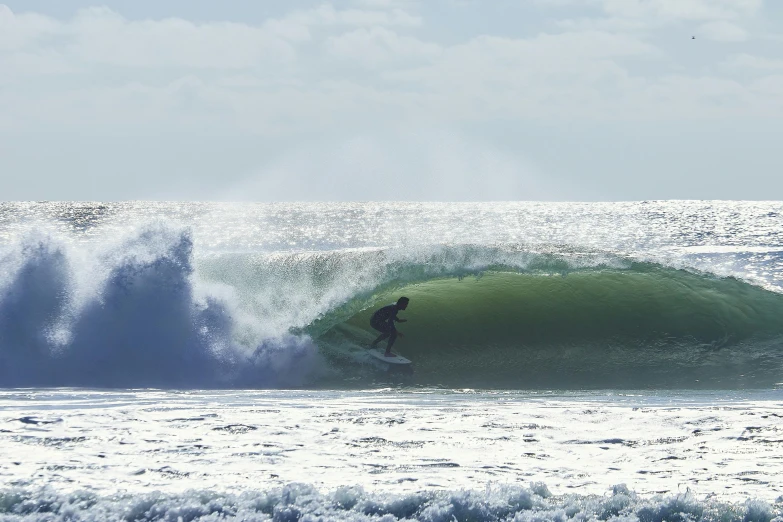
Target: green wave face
649,326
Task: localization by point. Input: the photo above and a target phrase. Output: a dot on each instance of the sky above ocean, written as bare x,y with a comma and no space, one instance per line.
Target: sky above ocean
447,100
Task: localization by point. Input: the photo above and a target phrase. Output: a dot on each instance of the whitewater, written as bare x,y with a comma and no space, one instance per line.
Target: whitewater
205,361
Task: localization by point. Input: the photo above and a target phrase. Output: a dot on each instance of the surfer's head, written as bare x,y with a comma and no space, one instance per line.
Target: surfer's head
402,303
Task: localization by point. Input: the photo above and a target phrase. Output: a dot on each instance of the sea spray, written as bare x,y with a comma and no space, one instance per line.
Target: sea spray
140,327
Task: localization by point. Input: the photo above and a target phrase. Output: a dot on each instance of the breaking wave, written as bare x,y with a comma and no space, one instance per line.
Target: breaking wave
147,311
130,318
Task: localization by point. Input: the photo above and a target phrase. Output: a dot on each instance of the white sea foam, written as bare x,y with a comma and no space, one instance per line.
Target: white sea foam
297,502
721,445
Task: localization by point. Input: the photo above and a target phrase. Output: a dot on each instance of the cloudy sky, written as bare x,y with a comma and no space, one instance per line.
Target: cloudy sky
391,100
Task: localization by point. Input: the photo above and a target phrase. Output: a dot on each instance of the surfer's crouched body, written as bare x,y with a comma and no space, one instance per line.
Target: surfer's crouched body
383,320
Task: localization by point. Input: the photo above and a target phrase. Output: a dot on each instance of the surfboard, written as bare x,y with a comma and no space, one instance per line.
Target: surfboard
378,354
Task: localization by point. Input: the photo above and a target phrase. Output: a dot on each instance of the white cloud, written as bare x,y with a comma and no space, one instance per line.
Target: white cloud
747,61
770,89
326,15
378,47
99,35
564,75
18,31
552,51
331,71
546,55
683,93
718,20
383,4
684,9
288,30
39,63
723,31
273,78
609,24
567,3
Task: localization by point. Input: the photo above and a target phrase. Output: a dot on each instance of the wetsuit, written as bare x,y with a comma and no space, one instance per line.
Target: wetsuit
383,318
383,321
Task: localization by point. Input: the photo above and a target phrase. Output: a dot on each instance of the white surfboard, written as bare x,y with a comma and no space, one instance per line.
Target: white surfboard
379,354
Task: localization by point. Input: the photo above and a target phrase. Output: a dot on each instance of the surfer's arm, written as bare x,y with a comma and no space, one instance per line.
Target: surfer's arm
394,318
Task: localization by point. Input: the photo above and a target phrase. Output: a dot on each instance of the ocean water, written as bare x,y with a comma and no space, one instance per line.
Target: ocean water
205,361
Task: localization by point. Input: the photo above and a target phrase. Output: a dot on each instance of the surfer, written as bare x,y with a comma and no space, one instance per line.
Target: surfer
383,320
